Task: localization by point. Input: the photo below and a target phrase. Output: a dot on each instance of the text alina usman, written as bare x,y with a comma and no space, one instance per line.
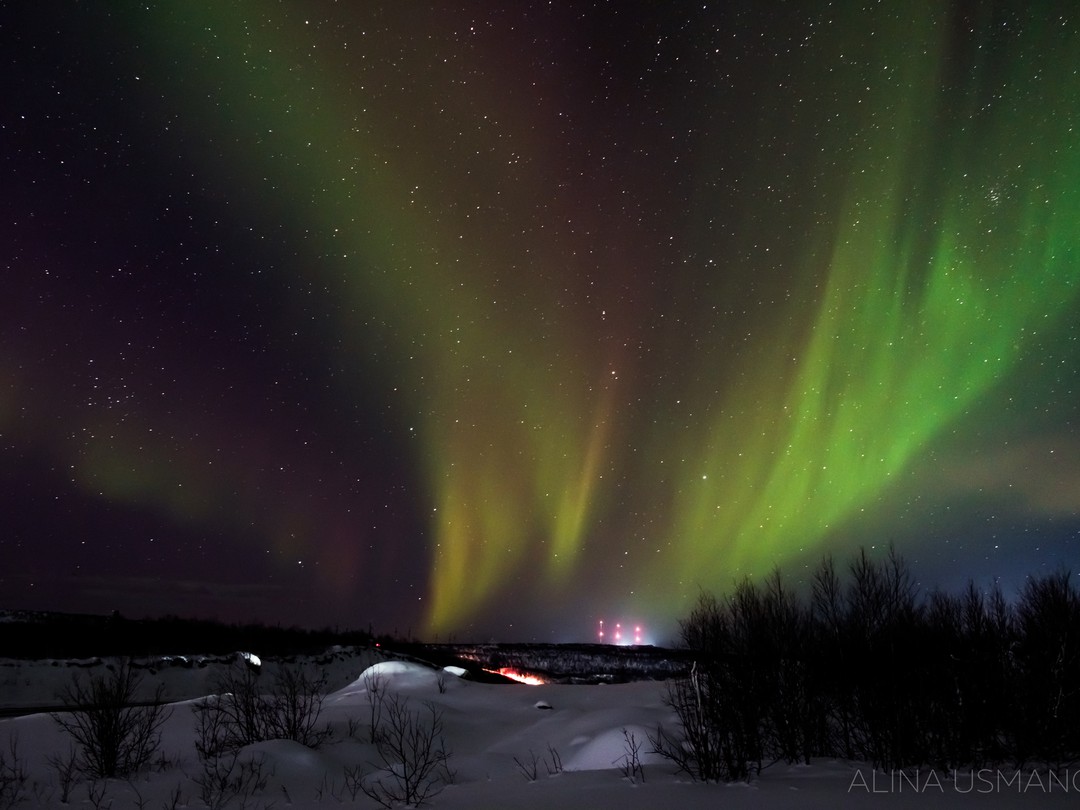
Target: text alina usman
982,780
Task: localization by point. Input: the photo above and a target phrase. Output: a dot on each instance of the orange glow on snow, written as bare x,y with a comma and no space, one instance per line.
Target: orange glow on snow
520,677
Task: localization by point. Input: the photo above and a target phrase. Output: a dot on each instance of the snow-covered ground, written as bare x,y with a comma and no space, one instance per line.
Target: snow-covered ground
494,733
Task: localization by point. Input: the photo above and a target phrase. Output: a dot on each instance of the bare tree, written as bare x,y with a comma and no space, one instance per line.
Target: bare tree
412,753
874,669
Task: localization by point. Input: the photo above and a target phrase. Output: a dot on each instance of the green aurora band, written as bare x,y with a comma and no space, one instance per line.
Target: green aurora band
953,243
909,333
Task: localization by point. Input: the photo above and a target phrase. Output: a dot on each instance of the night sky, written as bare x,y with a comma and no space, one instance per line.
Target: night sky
492,320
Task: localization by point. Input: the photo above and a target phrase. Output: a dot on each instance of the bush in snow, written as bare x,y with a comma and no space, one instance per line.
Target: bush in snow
229,777
114,736
242,713
630,762
413,760
704,748
12,775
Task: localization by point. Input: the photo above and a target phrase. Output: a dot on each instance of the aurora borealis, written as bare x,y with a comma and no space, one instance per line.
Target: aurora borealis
488,319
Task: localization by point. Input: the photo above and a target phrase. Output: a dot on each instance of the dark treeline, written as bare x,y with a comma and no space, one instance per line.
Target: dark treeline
866,668
60,635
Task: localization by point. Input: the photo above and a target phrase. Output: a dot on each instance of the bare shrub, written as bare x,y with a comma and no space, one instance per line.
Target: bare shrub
43,794
412,753
354,780
116,736
97,792
721,706
140,801
294,706
554,761
67,772
174,800
529,766
12,775
698,750
241,714
375,685
228,777
630,762
329,788
212,729
352,727
231,718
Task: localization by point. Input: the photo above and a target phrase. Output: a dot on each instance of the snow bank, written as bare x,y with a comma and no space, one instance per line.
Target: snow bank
610,748
397,675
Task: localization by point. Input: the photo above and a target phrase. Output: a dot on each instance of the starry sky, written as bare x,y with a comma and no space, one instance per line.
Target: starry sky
478,320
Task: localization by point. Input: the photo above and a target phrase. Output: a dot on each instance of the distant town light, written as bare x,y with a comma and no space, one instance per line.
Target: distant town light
617,636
